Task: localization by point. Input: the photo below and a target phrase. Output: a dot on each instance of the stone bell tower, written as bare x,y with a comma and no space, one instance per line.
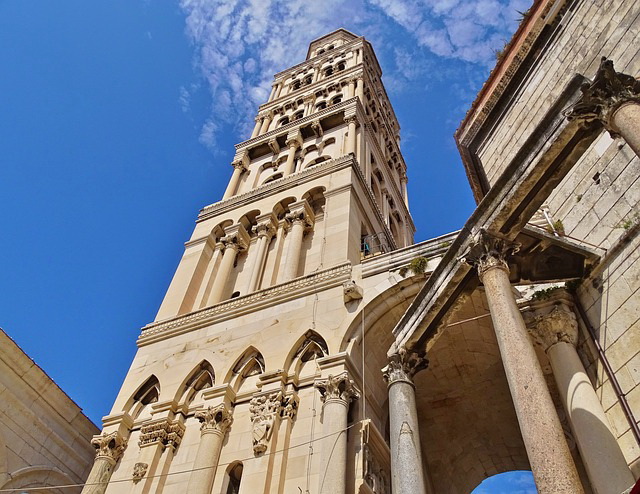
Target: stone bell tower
250,343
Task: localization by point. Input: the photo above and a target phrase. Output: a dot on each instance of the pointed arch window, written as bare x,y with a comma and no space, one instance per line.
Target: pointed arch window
234,476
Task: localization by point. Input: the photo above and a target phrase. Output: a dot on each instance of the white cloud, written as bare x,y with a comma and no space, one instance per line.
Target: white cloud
240,44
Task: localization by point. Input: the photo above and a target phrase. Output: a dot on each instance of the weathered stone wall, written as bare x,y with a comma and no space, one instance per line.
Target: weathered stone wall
598,202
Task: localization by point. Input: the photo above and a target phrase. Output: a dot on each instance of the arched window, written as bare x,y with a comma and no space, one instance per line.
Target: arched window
276,176
298,115
148,393
341,66
283,121
336,99
320,52
328,71
295,84
308,79
234,476
321,106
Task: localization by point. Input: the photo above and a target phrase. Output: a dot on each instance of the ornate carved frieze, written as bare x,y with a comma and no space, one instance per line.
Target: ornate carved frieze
490,251
601,97
351,291
264,409
403,365
109,446
339,387
558,325
375,476
162,432
139,471
214,419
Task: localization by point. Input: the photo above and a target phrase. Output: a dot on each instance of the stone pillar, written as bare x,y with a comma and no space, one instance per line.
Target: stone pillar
288,410
557,332
360,89
215,422
236,240
351,121
279,90
336,394
266,120
265,229
294,141
299,219
406,456
613,99
308,104
405,194
232,188
109,449
256,128
385,206
351,90
549,456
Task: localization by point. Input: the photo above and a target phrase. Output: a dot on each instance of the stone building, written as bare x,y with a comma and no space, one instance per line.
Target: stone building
512,344
44,436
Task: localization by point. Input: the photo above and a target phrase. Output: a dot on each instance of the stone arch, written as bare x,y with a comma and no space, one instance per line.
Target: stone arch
281,208
200,378
309,347
248,220
246,369
146,394
317,161
232,478
217,232
275,176
315,198
39,476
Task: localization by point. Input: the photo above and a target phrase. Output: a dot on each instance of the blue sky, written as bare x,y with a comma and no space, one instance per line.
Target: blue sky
117,124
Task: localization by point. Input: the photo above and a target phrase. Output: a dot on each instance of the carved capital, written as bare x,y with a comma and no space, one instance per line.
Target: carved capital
558,325
236,238
490,251
403,365
348,119
294,139
239,165
163,432
300,212
214,419
604,95
109,446
338,387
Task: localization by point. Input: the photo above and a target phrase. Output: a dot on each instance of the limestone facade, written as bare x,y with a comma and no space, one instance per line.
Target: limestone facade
44,436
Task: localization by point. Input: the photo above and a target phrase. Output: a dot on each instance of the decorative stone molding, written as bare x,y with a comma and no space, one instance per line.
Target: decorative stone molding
348,119
274,146
317,128
289,406
558,325
109,446
403,365
163,432
339,387
139,471
604,95
489,251
351,291
264,408
214,419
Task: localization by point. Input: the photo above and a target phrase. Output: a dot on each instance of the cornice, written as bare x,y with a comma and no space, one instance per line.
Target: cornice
229,309
285,129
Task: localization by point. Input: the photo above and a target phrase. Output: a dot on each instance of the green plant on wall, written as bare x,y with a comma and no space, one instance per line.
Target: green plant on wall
416,266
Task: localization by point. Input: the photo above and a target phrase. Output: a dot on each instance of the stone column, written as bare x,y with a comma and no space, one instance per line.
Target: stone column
256,129
405,194
336,394
360,89
549,456
351,121
109,449
557,332
299,219
265,229
406,456
385,206
613,99
232,188
215,422
279,90
236,240
351,90
266,120
294,141
308,104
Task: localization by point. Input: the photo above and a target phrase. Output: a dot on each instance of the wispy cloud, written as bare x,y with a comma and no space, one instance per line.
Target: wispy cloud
240,44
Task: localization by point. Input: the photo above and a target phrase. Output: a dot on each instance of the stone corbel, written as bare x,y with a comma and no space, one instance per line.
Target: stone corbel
316,127
274,146
351,291
164,432
241,159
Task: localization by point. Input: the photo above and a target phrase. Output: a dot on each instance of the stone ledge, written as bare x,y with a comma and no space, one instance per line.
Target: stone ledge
239,306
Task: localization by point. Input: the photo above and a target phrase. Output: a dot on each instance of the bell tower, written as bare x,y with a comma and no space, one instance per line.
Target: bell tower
321,181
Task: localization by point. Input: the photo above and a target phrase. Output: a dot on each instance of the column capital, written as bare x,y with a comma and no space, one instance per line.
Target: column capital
558,325
300,211
490,251
109,446
236,237
214,419
604,95
403,365
294,139
339,387
348,119
266,225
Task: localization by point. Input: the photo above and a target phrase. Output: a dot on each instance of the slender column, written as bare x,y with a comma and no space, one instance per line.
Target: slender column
298,220
266,120
336,394
272,93
606,466
308,104
265,229
288,410
294,141
406,456
385,206
360,89
405,194
351,89
279,91
236,240
549,456
208,278
612,98
215,422
232,188
109,449
351,138
256,128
